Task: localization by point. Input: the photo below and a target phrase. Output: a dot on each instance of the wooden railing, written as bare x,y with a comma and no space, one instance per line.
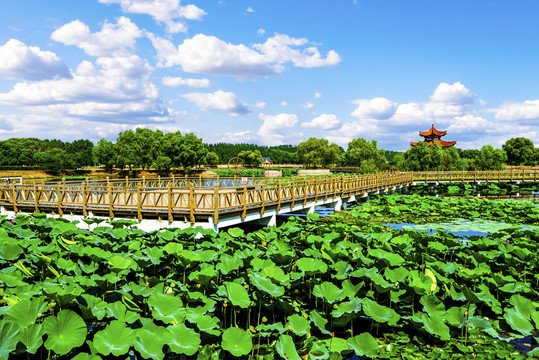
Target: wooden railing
182,198
165,200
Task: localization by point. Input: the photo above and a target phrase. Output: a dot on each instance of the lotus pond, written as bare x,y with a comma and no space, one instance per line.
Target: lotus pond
315,288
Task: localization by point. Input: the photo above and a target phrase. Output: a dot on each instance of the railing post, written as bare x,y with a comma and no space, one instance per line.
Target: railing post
263,198
158,180
191,203
108,180
36,200
139,203
126,181
244,201
111,200
173,179
59,195
84,199
279,195
216,203
293,192
14,197
170,202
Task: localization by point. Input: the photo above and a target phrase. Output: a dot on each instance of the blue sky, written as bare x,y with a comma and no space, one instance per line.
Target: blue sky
271,72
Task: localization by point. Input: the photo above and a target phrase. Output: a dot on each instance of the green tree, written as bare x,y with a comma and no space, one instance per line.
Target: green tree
519,151
55,159
144,139
315,152
127,150
253,158
104,154
211,159
365,155
192,151
429,158
490,158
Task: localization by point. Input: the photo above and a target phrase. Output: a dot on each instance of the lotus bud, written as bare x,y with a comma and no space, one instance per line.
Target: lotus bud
332,334
289,327
225,304
466,313
296,309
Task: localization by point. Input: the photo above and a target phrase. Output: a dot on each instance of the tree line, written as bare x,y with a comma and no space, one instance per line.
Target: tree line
146,148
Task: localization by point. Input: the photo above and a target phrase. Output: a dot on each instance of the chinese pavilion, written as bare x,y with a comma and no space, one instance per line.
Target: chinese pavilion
433,135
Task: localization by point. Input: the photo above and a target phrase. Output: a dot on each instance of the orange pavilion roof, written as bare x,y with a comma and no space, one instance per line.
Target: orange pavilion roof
441,142
432,131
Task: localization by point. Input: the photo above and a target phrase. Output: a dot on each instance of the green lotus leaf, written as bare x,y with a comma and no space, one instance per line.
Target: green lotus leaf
352,306
385,236
483,325
228,263
311,266
150,344
276,273
183,340
455,316
392,259
350,290
286,348
266,285
207,256
518,321
435,326
119,311
166,235
420,282
173,248
363,344
119,262
9,333
235,232
86,356
342,267
397,274
64,332
26,312
203,276
259,264
328,291
336,344
299,324
119,233
489,299
319,351
236,341
319,321
10,251
432,305
237,295
167,308
116,338
523,306
92,307
207,323
32,337
380,313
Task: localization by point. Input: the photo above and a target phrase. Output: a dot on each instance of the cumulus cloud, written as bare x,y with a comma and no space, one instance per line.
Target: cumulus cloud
261,31
219,101
211,55
117,91
377,108
19,61
168,12
112,37
453,94
250,10
307,105
284,103
527,111
324,122
178,81
317,95
260,104
271,131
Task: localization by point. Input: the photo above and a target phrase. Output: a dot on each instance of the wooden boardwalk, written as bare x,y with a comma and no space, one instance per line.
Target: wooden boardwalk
195,200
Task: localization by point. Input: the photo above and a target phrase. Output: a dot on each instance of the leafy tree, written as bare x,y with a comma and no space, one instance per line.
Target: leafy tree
104,153
80,152
365,155
429,158
192,151
490,158
211,159
314,152
144,139
253,158
55,159
519,151
127,150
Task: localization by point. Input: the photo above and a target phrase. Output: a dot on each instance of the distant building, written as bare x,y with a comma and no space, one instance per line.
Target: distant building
267,162
432,135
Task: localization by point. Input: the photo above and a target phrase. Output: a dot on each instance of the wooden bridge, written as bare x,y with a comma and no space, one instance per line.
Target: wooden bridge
217,202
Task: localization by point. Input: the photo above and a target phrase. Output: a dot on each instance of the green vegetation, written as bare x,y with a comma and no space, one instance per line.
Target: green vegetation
318,152
324,287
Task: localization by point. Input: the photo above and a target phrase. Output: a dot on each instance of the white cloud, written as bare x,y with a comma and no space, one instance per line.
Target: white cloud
317,95
111,39
271,131
211,55
307,105
19,61
527,111
178,81
378,108
453,94
250,10
117,92
324,122
219,101
261,31
168,12
284,103
260,104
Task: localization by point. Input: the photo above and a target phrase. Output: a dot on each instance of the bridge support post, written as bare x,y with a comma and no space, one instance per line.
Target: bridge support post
338,205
